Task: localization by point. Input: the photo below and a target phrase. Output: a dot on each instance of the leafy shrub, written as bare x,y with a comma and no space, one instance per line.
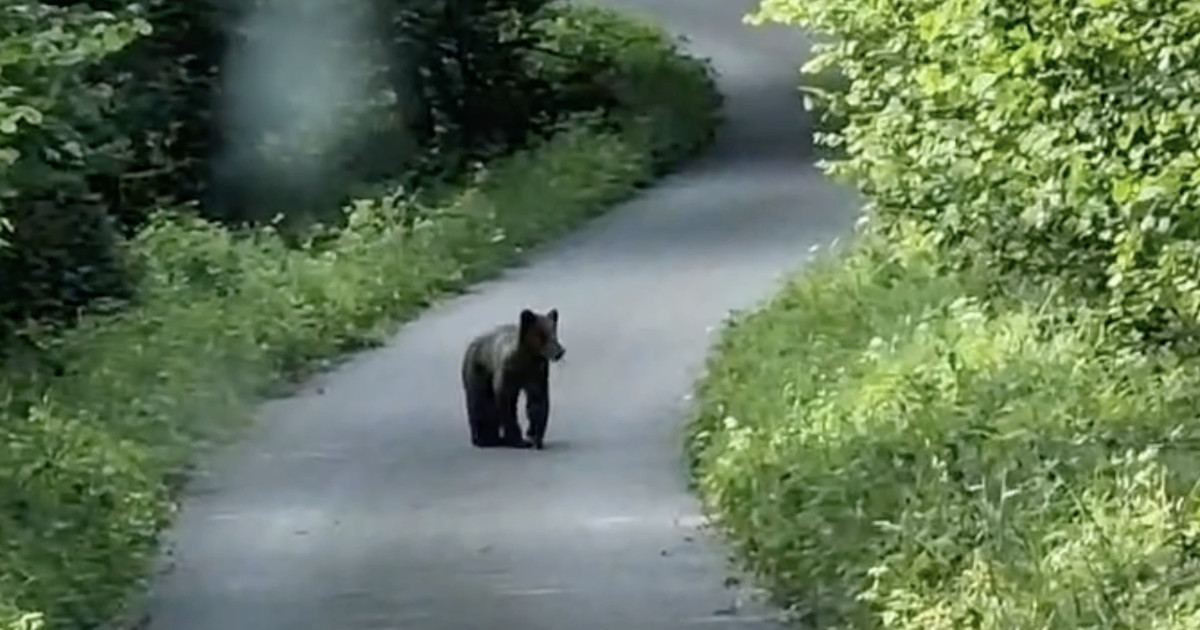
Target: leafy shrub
54,131
890,451
601,56
13,619
431,67
66,479
52,124
143,125
1049,138
163,103
88,456
889,442
470,72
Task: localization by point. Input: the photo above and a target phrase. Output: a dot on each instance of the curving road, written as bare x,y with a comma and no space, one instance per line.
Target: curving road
360,504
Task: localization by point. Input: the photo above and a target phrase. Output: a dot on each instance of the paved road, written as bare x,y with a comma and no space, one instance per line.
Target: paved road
361,505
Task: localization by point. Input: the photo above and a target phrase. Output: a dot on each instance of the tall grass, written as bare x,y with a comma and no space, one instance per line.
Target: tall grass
890,450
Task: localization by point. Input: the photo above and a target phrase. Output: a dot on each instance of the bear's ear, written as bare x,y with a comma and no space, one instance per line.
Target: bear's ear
553,315
528,319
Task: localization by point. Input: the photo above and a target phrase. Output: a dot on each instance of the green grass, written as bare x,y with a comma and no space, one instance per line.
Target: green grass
887,448
86,457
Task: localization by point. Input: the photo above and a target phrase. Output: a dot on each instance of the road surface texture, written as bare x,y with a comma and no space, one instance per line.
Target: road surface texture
360,503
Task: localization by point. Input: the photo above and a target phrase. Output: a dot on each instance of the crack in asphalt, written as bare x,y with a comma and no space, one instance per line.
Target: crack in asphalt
362,505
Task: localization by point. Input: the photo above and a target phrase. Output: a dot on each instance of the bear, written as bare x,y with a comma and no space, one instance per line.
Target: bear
500,364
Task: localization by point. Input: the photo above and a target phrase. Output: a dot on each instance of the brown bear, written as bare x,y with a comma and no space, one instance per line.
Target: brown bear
501,363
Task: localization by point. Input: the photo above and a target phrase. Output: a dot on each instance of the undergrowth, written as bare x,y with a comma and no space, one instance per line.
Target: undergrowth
89,451
984,416
887,448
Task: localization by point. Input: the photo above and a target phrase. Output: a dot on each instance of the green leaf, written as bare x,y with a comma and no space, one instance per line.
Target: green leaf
1124,189
931,79
983,82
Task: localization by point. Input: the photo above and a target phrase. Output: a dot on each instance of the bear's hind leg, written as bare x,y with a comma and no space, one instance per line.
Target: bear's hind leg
481,414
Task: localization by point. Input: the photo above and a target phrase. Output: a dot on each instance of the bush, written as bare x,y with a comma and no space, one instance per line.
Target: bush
54,132
603,57
426,66
891,442
1047,138
889,450
167,107
87,447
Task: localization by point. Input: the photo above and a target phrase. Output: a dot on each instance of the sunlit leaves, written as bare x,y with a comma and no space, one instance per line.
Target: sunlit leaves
44,101
1081,119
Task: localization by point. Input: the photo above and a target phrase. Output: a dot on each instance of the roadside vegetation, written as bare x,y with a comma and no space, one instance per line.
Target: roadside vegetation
982,413
151,291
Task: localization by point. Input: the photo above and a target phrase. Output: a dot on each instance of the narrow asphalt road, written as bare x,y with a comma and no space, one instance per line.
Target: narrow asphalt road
360,503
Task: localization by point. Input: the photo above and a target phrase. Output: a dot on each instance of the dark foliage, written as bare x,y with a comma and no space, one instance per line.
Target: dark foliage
153,132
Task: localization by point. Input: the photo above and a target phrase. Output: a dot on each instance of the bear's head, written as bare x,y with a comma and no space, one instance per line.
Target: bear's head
539,334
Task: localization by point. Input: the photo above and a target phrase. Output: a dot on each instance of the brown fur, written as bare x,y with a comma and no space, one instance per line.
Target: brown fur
498,366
